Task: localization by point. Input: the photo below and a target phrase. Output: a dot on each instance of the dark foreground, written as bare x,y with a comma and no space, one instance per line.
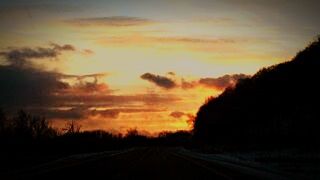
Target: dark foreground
136,163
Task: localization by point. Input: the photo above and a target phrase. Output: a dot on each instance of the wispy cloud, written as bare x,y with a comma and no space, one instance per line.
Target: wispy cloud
192,40
215,20
141,39
193,43
117,21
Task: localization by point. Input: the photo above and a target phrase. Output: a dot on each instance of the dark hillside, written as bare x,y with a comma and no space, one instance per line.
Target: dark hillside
278,106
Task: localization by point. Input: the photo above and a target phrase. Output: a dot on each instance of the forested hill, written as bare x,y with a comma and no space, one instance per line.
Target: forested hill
279,105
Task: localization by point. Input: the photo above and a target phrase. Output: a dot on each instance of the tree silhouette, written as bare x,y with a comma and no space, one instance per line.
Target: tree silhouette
278,106
72,128
3,124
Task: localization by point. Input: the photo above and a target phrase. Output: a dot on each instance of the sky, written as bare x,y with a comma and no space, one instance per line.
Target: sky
117,65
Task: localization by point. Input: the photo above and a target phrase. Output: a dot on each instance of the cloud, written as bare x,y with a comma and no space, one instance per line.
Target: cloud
116,21
81,77
66,96
188,85
23,83
170,40
109,113
74,113
21,56
66,47
49,94
178,115
219,83
104,100
82,112
193,43
26,86
223,81
83,84
161,81
91,87
87,52
215,20
192,40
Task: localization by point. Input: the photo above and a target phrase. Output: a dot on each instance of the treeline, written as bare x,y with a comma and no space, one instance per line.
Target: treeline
276,107
25,132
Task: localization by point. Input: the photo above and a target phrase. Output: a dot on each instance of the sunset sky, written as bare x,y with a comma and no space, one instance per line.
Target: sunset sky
145,64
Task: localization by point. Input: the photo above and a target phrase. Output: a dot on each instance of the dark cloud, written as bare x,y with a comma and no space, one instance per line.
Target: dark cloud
27,86
81,77
217,83
72,113
81,112
75,113
114,113
110,21
178,114
102,100
223,81
66,47
160,81
20,56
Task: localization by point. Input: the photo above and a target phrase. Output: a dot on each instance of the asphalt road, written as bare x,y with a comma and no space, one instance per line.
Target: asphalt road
139,163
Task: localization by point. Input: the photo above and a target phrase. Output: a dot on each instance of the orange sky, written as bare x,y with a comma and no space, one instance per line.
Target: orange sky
143,64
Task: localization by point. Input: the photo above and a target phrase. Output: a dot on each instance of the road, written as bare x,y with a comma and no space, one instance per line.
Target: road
138,163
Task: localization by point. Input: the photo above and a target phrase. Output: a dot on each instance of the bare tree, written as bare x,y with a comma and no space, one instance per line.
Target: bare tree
72,127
